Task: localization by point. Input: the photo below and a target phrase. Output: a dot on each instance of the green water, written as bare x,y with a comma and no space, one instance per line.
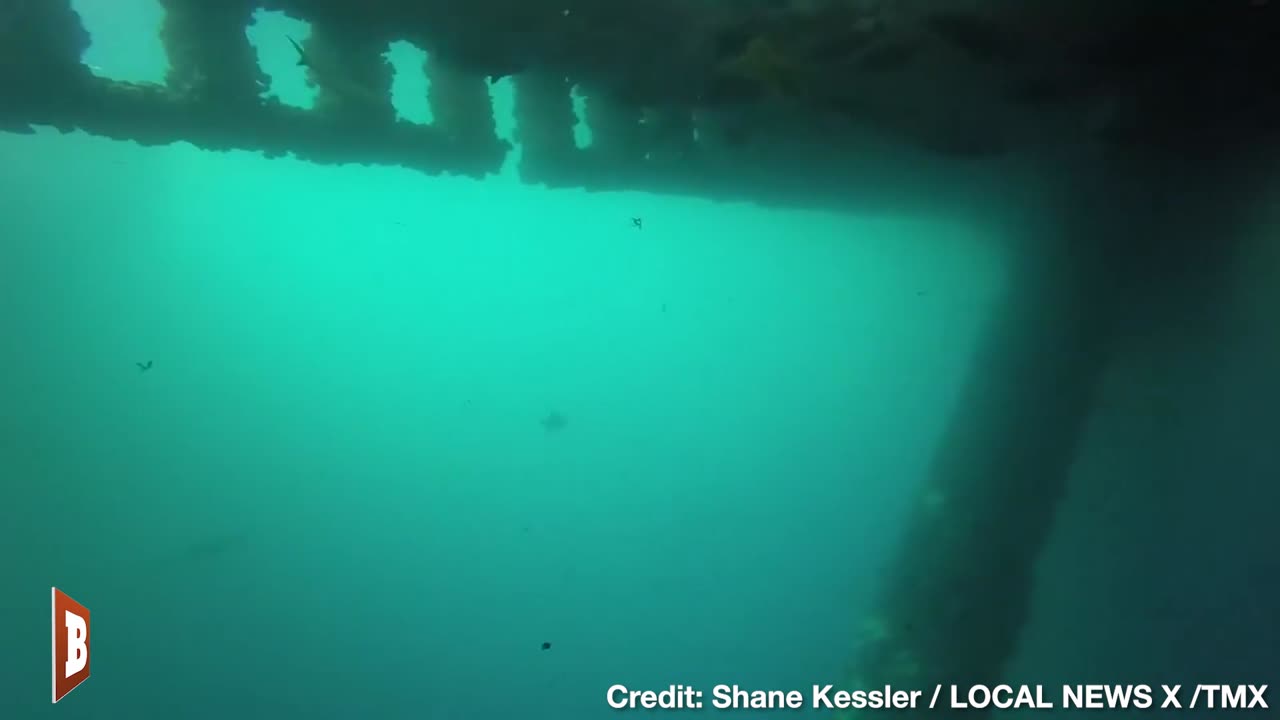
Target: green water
335,491
337,463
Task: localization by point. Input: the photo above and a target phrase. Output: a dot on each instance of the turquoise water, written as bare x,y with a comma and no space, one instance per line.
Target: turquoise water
340,439
335,481
336,493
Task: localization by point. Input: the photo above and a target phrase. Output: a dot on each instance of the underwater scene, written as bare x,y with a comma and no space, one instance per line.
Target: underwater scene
316,436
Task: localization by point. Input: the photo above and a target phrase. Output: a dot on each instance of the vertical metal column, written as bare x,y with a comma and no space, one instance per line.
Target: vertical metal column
41,42
616,130
353,75
210,58
544,128
957,596
463,113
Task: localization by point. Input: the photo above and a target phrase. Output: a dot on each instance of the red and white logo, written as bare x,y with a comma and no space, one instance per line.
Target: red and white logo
70,644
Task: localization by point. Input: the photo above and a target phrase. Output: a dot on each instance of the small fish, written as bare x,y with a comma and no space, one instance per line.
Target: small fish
303,60
333,77
143,367
638,223
546,646
554,422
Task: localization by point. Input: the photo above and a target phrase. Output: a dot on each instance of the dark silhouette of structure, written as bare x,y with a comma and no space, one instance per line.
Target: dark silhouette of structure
1140,127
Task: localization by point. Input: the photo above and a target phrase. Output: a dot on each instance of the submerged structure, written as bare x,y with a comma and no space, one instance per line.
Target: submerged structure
1143,125
810,102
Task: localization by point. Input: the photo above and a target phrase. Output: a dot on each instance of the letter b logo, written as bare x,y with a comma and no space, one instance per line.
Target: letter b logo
70,644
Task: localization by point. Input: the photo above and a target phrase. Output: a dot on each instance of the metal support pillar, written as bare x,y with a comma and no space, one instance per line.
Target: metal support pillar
1136,257
211,61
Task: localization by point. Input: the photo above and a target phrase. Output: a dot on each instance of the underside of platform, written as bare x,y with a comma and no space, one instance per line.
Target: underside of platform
818,103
